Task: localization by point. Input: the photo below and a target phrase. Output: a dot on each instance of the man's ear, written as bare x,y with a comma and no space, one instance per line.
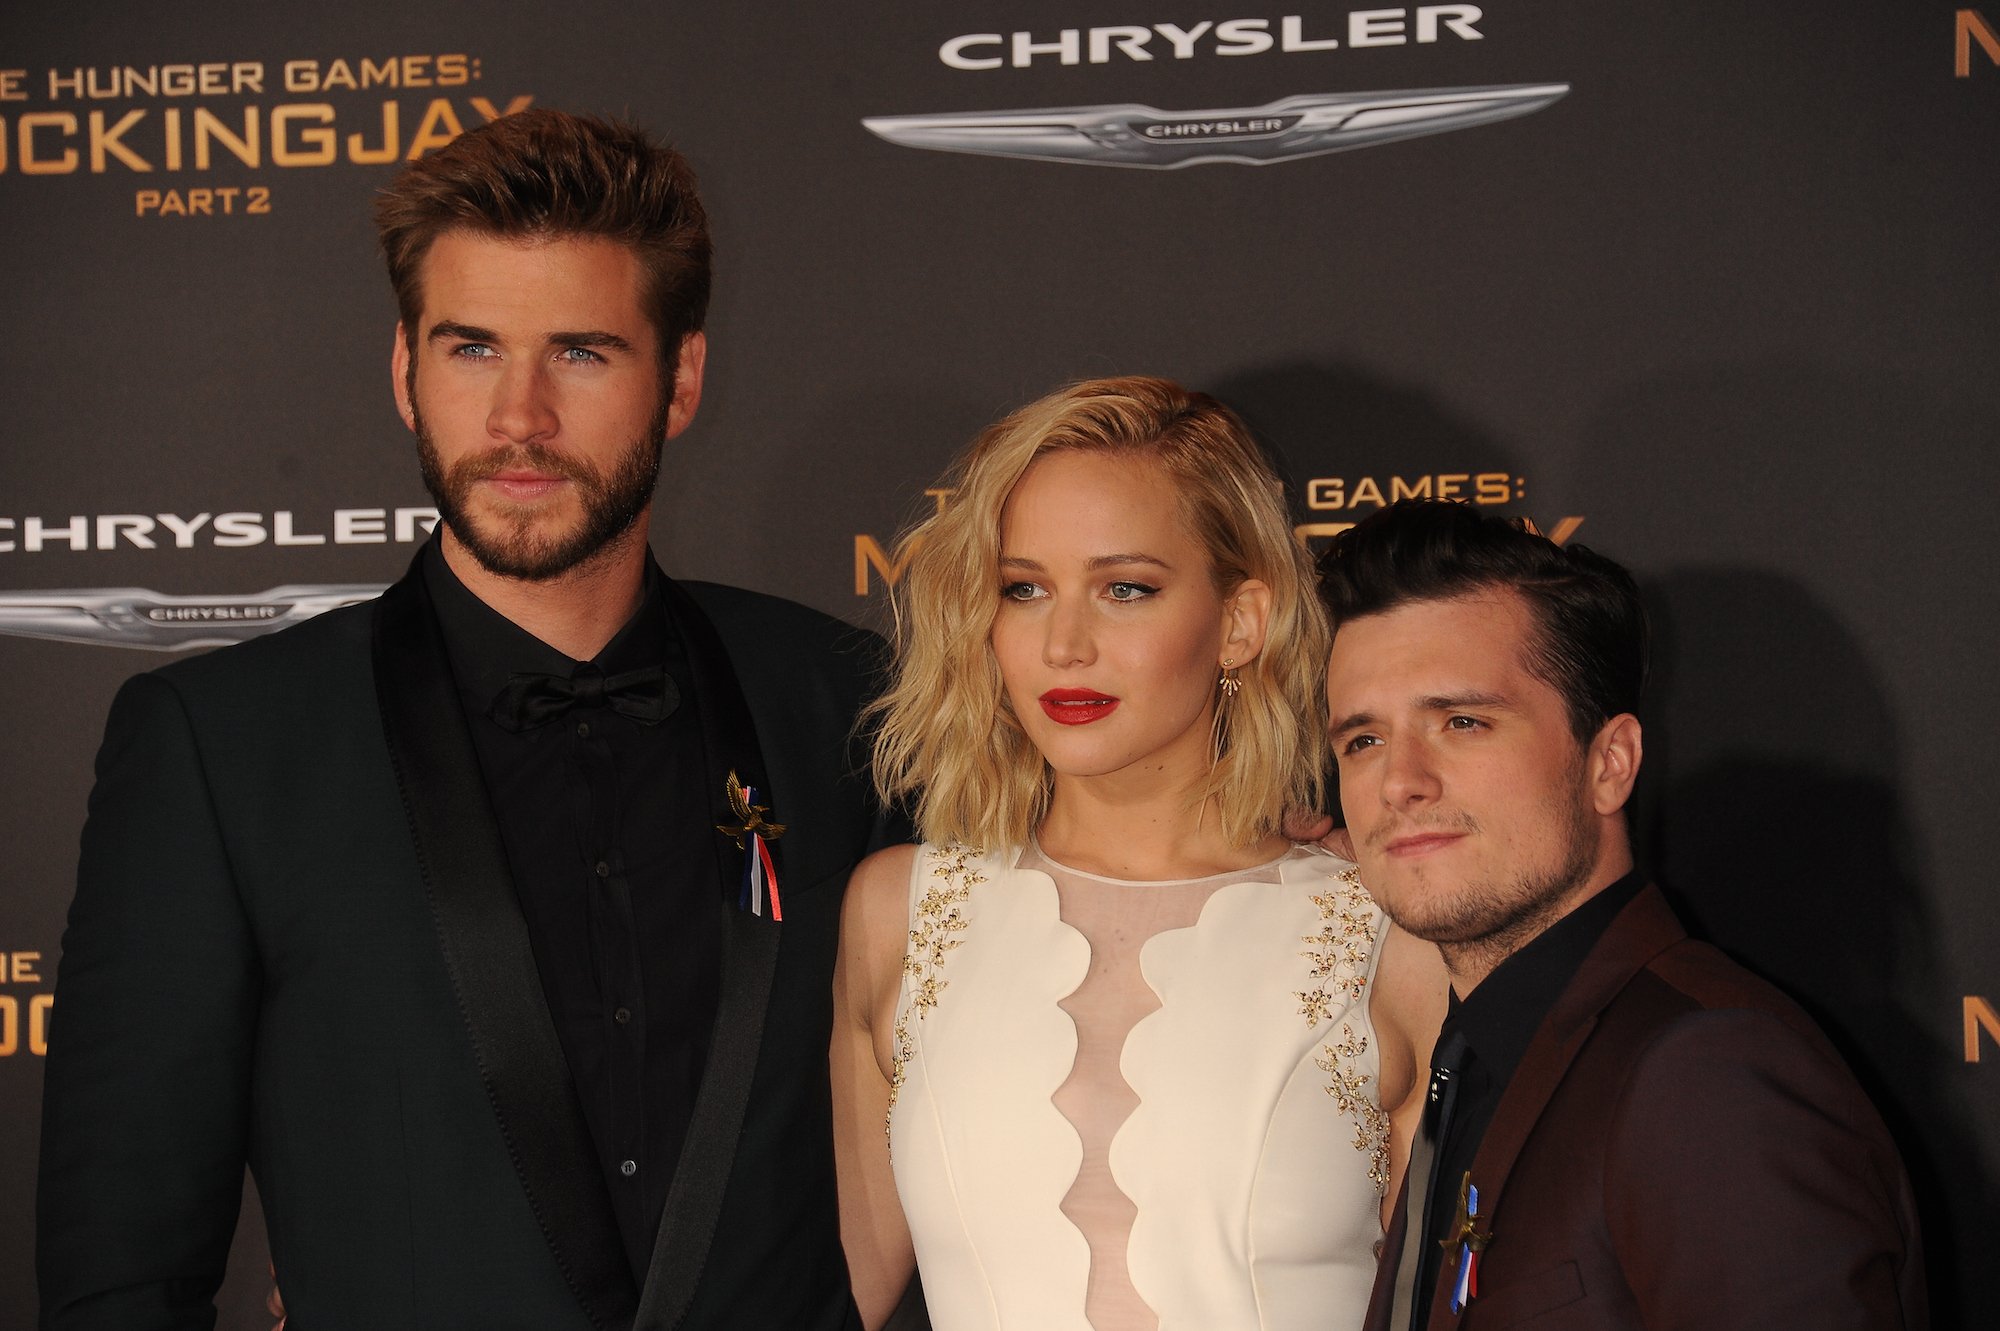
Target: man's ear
399,371
1245,617
687,382
1613,763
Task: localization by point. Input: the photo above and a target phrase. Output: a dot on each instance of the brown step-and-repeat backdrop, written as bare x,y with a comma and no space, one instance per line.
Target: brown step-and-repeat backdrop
1705,284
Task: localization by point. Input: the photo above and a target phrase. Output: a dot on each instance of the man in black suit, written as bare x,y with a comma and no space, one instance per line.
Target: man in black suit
1624,1129
447,913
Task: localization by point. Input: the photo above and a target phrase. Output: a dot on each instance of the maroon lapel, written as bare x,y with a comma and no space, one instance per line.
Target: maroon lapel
1645,928
1384,1293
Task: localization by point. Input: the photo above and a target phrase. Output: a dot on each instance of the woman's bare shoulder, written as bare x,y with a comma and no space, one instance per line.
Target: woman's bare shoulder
875,916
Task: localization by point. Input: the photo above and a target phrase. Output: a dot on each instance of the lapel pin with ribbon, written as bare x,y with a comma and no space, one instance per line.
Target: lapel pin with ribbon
1466,1236
760,875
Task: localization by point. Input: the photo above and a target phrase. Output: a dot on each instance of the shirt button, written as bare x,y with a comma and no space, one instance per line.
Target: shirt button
622,1015
583,730
629,1168
603,869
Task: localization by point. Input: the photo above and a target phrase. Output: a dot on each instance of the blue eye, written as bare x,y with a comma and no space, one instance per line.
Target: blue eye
1130,591
474,351
1021,591
578,355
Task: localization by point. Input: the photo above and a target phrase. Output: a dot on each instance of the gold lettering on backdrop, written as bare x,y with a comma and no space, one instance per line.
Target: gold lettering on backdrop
1333,493
1973,27
193,133
33,163
38,1024
1564,528
1560,533
440,126
1322,493
321,144
103,141
208,128
1979,1015
24,968
485,108
222,201
868,553
391,136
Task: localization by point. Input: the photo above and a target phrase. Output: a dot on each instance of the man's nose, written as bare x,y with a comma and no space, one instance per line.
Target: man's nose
1411,776
523,410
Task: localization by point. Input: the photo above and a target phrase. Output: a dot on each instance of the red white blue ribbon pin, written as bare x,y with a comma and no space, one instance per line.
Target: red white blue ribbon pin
752,833
1470,1242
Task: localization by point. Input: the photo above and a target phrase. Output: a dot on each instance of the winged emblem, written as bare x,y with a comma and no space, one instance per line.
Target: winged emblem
750,820
135,617
1135,135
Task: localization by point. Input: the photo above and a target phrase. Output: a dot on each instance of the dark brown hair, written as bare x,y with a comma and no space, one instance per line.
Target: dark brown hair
542,174
1591,639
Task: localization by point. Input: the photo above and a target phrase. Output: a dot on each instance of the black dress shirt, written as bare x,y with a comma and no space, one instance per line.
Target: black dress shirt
608,839
1499,1019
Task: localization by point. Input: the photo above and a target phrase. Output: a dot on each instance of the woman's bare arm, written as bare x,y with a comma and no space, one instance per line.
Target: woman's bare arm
1406,1009
867,976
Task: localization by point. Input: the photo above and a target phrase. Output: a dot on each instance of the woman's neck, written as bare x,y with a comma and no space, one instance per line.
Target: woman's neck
1106,827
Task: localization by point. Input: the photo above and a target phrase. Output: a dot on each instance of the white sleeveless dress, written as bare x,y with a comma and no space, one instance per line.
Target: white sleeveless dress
1229,1015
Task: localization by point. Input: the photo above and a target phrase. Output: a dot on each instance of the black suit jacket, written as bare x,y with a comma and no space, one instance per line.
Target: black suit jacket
295,943
1681,1147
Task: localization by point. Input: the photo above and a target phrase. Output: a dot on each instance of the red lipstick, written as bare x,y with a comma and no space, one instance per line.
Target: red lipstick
1077,707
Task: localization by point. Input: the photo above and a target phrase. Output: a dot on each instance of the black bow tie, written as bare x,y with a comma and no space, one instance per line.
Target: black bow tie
646,695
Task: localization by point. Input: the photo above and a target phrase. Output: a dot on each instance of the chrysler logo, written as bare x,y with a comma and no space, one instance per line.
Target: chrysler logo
131,617
1145,136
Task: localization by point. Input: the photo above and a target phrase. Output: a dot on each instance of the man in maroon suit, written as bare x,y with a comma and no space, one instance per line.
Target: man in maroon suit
1624,1127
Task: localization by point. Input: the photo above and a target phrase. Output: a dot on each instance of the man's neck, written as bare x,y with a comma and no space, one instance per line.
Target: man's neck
1469,963
576,612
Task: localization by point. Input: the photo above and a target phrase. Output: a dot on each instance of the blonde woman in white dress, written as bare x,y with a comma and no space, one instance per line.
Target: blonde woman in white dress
1110,1053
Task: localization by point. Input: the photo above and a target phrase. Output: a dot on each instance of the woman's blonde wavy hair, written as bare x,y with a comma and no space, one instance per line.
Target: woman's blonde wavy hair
946,739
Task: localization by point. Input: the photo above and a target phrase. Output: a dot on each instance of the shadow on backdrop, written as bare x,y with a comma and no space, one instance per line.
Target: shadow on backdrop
1776,818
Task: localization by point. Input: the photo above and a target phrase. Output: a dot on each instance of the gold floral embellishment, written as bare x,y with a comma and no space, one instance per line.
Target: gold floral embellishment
1349,1089
939,921
1340,954
1340,951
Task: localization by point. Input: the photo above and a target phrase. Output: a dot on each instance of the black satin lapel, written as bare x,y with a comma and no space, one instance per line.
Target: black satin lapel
749,958
484,938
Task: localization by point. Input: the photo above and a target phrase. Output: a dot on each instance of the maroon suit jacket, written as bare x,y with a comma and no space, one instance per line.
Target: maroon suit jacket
1681,1148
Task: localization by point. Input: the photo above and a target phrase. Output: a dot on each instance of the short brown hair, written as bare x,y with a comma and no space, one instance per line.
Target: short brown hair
1590,643
547,174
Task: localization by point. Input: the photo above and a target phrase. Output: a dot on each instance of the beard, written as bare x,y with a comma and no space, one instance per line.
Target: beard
509,544
1492,917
